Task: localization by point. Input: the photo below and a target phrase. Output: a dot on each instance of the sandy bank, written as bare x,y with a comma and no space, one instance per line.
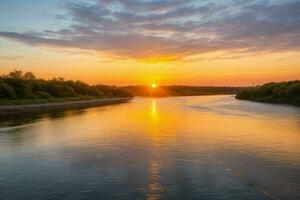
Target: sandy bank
14,109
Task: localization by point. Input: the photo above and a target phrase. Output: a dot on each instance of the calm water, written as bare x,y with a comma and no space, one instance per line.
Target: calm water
207,147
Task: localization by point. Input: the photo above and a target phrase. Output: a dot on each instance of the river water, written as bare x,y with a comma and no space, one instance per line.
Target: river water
205,147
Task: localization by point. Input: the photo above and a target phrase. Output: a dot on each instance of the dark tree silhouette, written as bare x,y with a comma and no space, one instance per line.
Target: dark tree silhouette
281,92
19,85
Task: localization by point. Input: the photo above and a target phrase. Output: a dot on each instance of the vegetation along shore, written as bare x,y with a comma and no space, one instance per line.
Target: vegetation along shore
281,92
23,92
18,88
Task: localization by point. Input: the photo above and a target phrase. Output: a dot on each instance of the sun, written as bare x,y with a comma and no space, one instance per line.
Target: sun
153,85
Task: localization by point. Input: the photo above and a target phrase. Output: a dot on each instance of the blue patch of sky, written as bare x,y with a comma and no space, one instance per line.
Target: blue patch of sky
32,15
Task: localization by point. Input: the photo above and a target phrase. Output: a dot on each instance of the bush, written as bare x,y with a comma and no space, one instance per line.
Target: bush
95,92
61,91
6,91
293,90
43,95
245,94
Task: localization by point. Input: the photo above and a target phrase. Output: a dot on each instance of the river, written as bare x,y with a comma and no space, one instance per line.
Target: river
205,147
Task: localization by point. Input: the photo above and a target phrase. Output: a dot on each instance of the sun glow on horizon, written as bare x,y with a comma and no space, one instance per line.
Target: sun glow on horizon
153,85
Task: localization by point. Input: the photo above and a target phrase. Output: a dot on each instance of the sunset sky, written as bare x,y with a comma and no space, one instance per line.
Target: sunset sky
207,42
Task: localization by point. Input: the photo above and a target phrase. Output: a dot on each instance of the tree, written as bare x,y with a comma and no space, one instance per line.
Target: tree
7,92
61,91
19,85
293,90
16,74
29,76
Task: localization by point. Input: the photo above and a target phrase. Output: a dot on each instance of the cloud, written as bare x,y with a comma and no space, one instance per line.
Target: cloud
174,28
11,57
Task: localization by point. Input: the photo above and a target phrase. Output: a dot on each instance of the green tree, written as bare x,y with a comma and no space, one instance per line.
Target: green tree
7,92
293,90
29,76
16,74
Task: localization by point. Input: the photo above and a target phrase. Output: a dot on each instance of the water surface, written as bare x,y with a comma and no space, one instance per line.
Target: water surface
206,147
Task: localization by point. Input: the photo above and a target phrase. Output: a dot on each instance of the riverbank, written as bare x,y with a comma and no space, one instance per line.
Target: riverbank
15,109
28,101
291,102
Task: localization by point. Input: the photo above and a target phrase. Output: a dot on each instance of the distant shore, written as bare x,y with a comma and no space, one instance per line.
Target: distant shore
15,109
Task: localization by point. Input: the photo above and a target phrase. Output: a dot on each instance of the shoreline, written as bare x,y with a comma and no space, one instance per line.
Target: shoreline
270,102
16,109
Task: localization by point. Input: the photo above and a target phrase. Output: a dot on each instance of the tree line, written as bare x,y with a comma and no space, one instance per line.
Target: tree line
19,85
281,92
179,90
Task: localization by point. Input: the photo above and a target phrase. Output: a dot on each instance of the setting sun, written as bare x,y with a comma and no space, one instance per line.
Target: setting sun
153,85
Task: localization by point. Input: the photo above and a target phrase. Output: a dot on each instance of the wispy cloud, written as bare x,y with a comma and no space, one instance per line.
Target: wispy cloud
174,28
11,57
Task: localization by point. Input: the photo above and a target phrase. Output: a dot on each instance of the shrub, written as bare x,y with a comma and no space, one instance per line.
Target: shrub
293,90
245,94
43,95
61,91
7,92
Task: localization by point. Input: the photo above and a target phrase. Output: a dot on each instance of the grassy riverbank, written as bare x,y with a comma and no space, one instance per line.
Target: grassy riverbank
7,102
69,104
280,92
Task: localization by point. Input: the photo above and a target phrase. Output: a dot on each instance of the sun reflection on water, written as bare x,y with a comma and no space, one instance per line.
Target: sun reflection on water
154,115
154,188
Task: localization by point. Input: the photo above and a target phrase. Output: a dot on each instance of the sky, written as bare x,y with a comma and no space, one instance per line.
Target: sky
126,42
